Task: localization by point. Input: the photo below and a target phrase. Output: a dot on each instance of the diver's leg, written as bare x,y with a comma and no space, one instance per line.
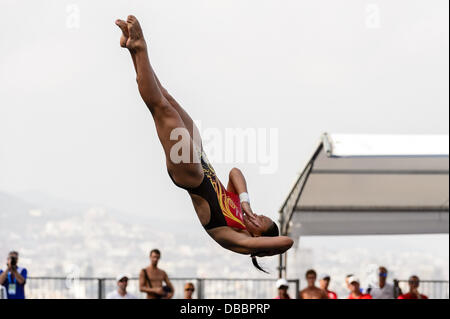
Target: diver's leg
188,122
190,125
169,125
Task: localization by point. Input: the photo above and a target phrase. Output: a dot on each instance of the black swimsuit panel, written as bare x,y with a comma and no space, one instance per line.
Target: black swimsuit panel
207,191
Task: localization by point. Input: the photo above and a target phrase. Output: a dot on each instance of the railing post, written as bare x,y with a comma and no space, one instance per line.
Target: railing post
101,288
297,289
280,266
200,294
396,289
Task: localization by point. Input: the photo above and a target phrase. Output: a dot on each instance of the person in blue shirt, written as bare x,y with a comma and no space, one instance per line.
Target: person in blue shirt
14,278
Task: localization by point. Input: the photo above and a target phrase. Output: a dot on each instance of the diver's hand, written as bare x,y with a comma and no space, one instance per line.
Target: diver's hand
247,210
251,217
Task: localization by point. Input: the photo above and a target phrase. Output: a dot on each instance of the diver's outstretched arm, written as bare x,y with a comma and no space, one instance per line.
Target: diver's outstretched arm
238,185
266,246
236,182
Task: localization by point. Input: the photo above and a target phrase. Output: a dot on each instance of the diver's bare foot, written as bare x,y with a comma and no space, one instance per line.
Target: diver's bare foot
136,41
125,35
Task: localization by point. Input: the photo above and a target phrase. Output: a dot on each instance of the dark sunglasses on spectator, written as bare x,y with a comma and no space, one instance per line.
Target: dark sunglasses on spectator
189,289
383,274
123,280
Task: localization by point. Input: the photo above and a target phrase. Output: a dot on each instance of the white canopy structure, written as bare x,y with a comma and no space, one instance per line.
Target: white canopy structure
369,185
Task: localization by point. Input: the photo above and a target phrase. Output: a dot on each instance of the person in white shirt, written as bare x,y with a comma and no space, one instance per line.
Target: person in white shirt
383,290
121,291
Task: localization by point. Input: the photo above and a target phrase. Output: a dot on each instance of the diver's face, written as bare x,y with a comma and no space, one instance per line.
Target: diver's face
257,225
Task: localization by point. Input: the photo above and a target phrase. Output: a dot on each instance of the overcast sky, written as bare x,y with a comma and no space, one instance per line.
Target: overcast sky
72,123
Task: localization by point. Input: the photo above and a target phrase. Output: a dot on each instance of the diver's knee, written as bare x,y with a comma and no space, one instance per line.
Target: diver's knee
235,171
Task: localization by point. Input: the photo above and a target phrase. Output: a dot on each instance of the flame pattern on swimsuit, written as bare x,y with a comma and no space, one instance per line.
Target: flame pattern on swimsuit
229,202
225,206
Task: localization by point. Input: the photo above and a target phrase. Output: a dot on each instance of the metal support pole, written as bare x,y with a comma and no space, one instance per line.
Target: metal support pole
396,289
101,286
200,294
280,267
297,289
285,265
280,261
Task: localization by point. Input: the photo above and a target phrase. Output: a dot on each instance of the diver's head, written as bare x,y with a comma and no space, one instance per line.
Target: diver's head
261,226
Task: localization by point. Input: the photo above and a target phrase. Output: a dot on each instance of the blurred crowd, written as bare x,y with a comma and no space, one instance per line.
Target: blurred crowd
155,283
381,290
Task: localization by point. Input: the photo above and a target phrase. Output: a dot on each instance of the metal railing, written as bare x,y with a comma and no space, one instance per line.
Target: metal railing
98,288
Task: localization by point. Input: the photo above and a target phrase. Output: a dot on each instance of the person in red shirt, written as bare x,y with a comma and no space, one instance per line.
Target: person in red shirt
414,283
355,289
324,284
283,286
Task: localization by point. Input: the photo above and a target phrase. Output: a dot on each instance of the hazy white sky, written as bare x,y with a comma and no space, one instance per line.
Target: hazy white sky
72,123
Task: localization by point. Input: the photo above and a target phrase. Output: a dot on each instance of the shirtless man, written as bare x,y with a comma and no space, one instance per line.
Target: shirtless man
151,279
312,292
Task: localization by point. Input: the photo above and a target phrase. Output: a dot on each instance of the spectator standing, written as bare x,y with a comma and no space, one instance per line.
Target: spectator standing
312,292
355,289
151,279
383,290
14,278
324,285
347,284
189,290
121,291
283,287
414,283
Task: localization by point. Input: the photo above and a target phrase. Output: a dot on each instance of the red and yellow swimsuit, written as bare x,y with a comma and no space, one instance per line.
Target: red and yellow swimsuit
225,206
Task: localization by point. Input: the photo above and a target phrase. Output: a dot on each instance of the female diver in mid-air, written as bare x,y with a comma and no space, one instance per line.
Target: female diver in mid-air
225,213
